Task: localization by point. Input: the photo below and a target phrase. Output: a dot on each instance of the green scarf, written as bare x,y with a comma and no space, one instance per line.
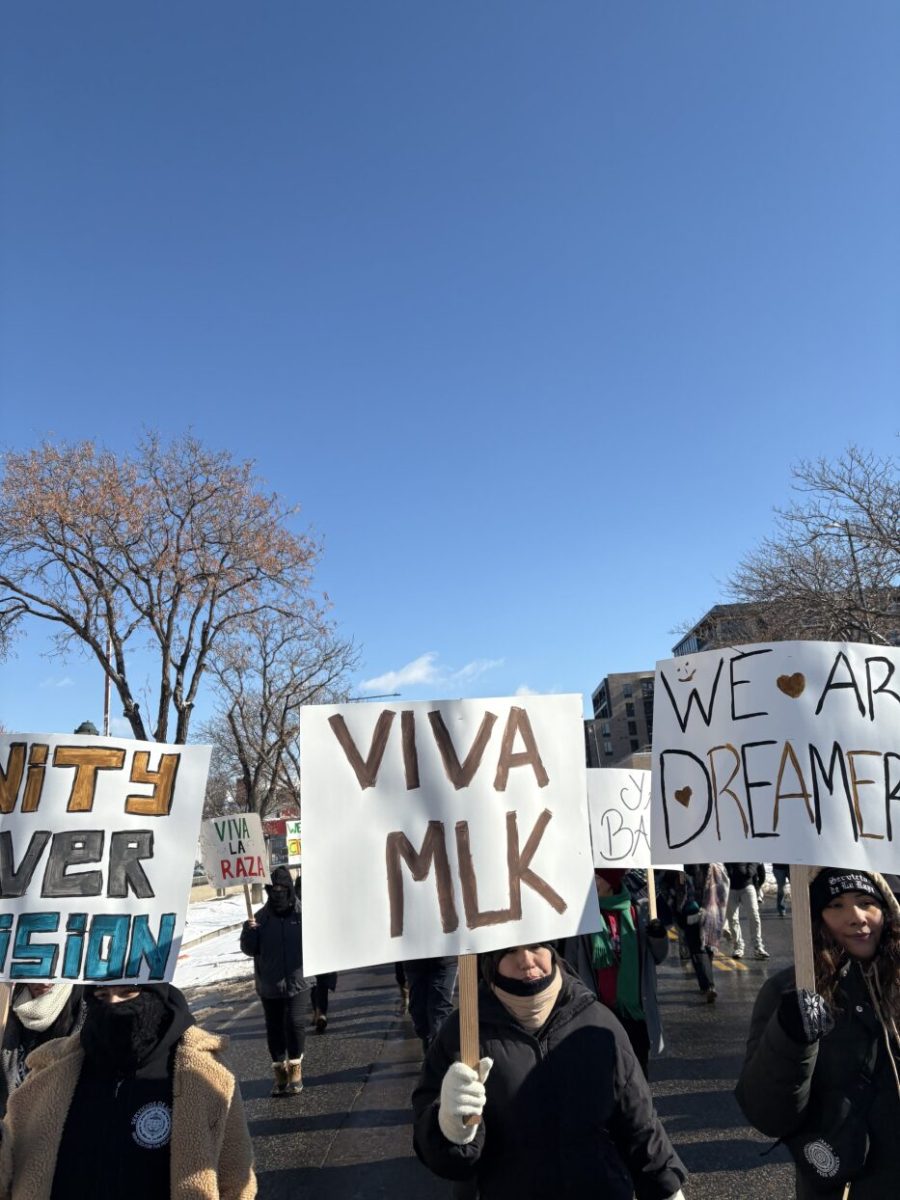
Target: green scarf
627,960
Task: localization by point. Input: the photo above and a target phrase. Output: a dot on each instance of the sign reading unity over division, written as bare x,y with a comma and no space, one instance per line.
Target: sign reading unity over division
619,807
788,751
233,850
97,839
442,828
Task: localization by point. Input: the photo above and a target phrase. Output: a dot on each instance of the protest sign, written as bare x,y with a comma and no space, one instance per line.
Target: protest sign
439,828
294,843
233,850
787,751
97,840
619,808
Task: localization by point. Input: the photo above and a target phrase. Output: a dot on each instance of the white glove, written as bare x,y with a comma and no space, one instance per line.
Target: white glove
679,1195
694,919
462,1095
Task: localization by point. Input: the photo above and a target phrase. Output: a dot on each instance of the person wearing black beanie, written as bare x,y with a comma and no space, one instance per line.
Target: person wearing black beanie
821,1067
274,938
129,1106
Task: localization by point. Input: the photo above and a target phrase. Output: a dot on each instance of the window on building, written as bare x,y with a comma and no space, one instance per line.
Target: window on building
647,687
604,729
629,709
635,744
607,747
632,728
626,690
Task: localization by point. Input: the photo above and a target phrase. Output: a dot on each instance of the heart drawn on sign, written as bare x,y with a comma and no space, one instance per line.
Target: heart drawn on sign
683,796
791,685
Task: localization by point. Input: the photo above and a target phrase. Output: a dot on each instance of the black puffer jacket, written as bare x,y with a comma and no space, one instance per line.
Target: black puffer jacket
276,945
742,875
568,1111
782,1082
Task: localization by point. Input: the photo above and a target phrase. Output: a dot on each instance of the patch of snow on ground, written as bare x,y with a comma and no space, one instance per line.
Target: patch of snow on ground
215,961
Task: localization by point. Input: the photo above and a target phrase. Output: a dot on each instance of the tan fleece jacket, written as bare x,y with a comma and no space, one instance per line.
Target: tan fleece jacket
211,1153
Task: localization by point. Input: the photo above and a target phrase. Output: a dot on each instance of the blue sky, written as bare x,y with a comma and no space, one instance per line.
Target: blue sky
530,306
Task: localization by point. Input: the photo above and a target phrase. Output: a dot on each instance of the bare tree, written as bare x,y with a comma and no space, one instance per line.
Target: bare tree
832,569
264,676
173,548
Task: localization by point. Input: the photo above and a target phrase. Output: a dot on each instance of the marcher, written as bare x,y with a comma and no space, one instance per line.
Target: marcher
744,881
140,1103
403,985
38,1013
680,894
274,938
565,1110
781,871
323,985
431,982
821,1067
618,963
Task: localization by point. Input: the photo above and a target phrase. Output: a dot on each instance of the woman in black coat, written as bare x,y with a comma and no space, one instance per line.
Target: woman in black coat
274,938
565,1109
821,1067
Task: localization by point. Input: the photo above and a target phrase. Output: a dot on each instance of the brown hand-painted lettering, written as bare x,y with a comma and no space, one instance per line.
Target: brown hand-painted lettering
366,770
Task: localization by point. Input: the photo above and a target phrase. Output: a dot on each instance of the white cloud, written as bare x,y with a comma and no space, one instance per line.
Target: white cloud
63,682
425,670
524,690
420,670
120,728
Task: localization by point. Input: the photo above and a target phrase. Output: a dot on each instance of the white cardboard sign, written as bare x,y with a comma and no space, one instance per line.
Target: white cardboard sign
440,828
97,840
619,807
787,751
292,833
233,850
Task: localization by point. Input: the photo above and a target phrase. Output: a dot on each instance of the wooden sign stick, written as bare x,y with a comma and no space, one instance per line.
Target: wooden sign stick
248,902
804,963
651,893
469,1048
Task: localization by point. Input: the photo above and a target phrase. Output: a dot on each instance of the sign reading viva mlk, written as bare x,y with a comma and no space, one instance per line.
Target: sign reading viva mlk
444,827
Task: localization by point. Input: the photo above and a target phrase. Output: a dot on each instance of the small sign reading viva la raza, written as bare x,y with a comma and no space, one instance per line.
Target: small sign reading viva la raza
97,840
233,850
786,750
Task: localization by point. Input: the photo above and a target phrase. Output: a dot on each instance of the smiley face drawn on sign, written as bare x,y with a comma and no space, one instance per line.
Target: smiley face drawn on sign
685,673
791,685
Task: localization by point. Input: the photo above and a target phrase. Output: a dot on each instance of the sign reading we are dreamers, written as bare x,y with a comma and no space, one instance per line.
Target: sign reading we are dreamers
788,750
441,828
97,840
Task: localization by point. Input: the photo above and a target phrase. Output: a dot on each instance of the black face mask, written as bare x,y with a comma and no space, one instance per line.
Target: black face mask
524,987
281,899
118,1038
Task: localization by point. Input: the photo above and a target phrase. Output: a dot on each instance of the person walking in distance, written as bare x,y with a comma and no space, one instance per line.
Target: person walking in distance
744,881
782,872
274,939
431,982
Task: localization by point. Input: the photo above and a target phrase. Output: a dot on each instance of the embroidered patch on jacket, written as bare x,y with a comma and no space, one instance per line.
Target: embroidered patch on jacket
151,1126
821,1158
